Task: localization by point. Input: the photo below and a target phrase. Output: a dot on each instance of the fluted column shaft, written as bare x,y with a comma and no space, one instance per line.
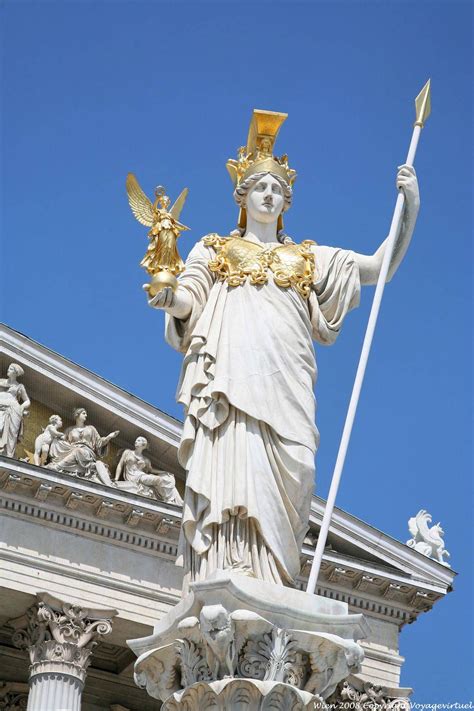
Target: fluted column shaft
55,690
59,637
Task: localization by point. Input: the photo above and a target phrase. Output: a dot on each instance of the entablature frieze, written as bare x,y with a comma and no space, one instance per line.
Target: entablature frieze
380,592
122,519
88,507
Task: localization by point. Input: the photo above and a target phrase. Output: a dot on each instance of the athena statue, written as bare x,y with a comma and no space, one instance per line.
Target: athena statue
245,314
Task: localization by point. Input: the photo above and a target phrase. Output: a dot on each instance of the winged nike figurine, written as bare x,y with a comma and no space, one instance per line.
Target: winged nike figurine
162,260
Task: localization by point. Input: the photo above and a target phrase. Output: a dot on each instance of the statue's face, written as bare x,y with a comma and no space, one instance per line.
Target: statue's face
265,200
140,444
82,417
11,372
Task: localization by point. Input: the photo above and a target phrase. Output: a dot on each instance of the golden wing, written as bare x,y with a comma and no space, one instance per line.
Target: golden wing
140,204
179,204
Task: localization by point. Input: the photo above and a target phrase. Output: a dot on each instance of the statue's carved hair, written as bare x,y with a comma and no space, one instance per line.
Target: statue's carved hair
54,420
17,369
77,411
243,189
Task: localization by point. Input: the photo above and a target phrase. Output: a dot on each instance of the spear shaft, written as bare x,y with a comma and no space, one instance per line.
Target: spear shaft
423,107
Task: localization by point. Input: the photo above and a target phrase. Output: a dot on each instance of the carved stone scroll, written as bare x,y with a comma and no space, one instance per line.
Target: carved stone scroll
59,637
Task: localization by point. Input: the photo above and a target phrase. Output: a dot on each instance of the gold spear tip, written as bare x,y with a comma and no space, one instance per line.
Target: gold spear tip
423,104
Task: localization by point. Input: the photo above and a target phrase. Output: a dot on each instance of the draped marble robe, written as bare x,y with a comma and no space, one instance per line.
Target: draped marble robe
249,437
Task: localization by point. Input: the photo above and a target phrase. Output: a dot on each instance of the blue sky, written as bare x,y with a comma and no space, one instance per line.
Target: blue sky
92,90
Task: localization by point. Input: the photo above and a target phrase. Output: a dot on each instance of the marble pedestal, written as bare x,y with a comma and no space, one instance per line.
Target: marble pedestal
239,643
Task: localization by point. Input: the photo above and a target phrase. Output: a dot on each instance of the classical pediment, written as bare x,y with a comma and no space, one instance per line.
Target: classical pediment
56,385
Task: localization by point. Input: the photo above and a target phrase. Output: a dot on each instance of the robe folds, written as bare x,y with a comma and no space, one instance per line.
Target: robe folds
249,436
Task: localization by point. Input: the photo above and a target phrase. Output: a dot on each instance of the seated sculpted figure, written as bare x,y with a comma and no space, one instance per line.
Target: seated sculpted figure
81,450
14,403
140,478
245,313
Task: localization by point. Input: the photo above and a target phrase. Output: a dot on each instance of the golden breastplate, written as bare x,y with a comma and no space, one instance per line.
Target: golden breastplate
238,259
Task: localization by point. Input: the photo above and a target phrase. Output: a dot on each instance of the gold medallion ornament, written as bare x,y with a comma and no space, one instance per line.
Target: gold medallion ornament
162,260
238,260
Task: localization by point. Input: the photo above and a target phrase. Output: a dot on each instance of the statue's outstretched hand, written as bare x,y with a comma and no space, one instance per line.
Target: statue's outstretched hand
408,182
177,304
163,299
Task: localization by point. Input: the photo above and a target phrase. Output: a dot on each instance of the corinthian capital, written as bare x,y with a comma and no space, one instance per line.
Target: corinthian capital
59,635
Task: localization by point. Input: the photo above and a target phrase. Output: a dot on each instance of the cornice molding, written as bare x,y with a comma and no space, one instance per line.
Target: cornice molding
376,543
92,510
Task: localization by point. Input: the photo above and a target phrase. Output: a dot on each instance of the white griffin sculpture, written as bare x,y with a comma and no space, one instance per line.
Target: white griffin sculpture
426,540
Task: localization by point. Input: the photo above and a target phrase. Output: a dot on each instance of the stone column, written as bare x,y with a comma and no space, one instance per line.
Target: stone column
59,637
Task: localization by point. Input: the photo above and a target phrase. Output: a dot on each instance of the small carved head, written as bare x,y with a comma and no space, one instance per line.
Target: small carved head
216,623
265,146
56,421
15,371
354,657
141,443
80,415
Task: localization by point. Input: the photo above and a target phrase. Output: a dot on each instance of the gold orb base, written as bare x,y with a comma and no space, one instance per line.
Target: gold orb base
162,280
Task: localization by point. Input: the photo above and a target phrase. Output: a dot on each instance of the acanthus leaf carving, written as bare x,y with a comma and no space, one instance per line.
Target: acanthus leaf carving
13,696
194,667
14,702
67,652
245,695
58,632
221,647
366,697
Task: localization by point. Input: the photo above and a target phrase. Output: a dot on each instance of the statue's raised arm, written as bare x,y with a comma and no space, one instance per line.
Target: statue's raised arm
369,266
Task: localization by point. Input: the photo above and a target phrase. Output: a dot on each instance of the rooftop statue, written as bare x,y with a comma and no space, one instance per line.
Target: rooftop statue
14,404
426,540
139,477
46,441
245,311
80,451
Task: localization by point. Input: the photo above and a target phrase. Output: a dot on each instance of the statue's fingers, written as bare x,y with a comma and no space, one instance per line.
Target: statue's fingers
407,169
169,296
156,301
405,183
